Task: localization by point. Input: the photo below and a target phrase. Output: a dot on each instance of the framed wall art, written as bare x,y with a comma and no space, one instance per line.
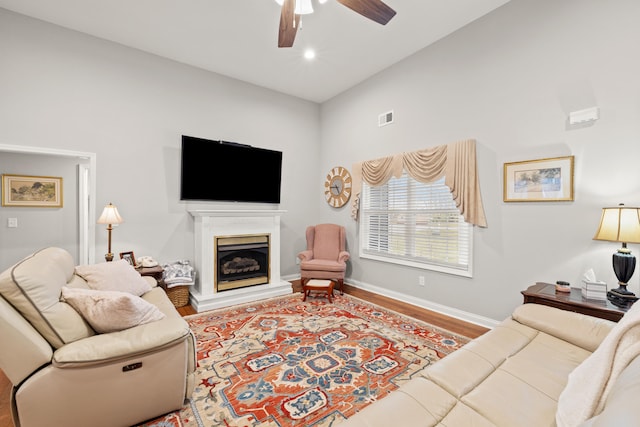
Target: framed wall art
543,180
31,191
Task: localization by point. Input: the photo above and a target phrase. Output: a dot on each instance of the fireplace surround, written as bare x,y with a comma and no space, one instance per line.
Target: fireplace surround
242,231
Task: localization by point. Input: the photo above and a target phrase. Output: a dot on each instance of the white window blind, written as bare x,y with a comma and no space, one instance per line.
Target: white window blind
408,222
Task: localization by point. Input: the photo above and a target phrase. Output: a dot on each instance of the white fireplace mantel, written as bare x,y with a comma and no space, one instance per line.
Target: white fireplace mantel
226,222
236,212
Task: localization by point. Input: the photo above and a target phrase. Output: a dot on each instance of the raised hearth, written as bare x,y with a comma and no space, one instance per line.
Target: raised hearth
213,226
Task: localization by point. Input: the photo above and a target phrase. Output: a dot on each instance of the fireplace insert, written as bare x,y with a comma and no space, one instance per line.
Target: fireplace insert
241,261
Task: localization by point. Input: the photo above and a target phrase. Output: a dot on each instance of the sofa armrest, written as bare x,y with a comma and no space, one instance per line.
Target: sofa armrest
579,329
128,343
343,256
152,281
23,350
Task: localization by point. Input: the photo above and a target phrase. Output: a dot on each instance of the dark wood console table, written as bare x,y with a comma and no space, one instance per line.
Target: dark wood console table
545,294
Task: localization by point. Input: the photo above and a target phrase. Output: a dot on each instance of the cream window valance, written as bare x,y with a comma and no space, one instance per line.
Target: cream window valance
456,162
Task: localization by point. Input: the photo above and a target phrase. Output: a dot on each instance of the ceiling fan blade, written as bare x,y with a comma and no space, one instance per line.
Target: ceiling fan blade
375,10
289,24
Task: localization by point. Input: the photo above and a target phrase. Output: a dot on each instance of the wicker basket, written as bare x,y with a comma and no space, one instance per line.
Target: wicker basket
178,295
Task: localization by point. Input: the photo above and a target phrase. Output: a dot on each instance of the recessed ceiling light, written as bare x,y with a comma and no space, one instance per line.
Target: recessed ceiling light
309,54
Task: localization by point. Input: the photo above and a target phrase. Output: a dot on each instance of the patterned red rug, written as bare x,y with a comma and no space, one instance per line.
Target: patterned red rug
284,362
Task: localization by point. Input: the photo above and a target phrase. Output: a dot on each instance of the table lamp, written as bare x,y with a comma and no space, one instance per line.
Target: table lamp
621,224
110,216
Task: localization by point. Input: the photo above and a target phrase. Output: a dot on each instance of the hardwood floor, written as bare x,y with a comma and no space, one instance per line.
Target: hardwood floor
440,320
454,325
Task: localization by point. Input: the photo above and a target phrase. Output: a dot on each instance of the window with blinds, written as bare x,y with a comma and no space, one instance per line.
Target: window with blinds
407,222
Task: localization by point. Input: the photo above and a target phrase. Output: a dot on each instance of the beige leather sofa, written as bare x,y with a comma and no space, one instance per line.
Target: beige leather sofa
514,375
66,374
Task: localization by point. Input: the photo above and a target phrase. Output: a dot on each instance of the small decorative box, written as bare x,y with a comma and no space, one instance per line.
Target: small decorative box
562,286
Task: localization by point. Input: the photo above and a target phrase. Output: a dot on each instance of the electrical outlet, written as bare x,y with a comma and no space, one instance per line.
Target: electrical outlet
420,280
12,222
297,261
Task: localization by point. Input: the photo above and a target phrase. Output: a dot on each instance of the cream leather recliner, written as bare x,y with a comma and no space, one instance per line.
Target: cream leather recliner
65,374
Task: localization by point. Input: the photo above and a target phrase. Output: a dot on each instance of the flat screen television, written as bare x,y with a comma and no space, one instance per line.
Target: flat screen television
228,171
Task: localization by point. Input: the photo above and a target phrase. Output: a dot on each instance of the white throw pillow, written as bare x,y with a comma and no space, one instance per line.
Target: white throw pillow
114,276
110,311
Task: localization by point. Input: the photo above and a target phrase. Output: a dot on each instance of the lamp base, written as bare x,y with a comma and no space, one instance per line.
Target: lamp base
108,257
622,291
624,263
621,296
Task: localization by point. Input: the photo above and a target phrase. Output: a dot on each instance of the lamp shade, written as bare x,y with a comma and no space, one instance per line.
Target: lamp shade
110,215
619,224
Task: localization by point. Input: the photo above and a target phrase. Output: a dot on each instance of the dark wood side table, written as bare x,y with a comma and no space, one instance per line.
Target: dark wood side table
545,294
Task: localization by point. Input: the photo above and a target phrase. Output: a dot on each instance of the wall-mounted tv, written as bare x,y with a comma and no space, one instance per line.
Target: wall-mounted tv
228,171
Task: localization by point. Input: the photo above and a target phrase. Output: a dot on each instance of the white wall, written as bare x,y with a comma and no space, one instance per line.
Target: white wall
509,80
40,227
67,90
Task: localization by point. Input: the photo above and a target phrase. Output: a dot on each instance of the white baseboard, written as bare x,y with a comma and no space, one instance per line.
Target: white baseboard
419,302
290,277
429,305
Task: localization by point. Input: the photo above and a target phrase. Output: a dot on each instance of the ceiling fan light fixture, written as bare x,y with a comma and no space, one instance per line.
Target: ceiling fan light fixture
303,7
292,11
308,1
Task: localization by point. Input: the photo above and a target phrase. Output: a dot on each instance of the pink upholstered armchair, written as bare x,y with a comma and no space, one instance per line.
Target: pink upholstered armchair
325,257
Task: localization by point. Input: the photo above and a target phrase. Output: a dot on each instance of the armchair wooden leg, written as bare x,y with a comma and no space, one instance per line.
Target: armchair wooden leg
340,285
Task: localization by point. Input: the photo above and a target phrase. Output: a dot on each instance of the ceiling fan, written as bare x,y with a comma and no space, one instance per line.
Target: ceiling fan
291,11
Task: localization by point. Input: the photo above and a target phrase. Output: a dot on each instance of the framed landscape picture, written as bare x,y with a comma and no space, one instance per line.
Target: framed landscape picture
31,191
543,180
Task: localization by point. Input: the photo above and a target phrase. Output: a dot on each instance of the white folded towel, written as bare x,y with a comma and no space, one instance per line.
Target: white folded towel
179,273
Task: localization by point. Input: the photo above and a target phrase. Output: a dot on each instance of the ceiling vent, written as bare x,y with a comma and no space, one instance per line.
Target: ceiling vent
385,118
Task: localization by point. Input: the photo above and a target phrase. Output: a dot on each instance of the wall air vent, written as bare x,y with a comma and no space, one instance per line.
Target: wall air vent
385,118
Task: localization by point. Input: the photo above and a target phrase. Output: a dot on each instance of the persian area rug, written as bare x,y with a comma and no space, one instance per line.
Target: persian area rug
285,362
